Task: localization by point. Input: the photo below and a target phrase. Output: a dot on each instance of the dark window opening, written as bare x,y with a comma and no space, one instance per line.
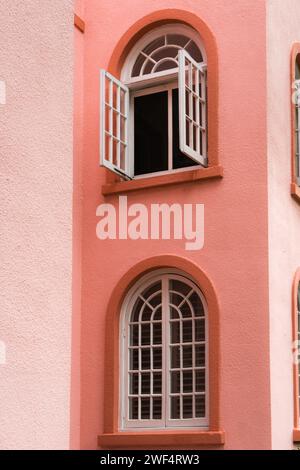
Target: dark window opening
151,134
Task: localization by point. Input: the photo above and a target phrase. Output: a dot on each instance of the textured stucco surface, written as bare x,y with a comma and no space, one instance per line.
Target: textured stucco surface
284,213
235,255
36,57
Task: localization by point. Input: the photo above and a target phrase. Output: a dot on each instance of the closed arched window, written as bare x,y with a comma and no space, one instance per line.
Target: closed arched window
164,354
154,118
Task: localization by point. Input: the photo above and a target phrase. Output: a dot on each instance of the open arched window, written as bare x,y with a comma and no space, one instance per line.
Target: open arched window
154,119
164,354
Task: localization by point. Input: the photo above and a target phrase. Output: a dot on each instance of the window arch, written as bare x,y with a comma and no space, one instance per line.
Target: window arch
164,331
112,436
157,51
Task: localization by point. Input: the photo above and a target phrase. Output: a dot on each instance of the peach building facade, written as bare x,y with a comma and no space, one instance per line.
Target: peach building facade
92,377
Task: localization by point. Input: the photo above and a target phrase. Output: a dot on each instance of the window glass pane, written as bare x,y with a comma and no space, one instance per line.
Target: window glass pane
151,290
145,334
153,45
145,408
166,65
200,330
138,65
175,357
155,300
187,356
187,331
200,406
174,313
157,383
134,384
146,359
177,39
200,381
156,333
200,355
185,310
134,359
156,408
187,407
157,358
146,384
179,159
175,332
147,313
194,51
197,305
134,335
187,381
151,133
180,287
175,407
157,314
166,52
133,408
175,382
176,299
136,310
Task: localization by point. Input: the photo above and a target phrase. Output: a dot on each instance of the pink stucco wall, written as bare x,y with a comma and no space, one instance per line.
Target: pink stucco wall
235,255
284,214
36,62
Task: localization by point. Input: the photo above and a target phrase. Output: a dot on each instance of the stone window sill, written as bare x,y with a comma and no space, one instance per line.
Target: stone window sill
163,180
160,439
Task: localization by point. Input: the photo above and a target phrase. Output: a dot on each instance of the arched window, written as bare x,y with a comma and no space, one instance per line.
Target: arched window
154,120
164,354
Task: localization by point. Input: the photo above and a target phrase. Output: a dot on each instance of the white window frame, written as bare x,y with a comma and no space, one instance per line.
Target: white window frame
163,275
147,84
186,86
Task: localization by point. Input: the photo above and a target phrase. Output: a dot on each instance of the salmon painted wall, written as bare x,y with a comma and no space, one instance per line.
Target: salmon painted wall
235,255
284,213
36,63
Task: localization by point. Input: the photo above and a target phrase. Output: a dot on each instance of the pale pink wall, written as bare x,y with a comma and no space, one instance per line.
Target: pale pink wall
36,62
78,52
235,253
284,214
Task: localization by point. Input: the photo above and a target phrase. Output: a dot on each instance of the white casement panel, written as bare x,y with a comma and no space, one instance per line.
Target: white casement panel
297,156
114,125
192,108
